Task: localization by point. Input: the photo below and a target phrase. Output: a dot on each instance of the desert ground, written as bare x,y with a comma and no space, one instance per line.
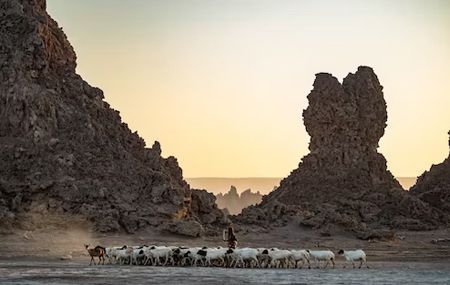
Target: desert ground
58,257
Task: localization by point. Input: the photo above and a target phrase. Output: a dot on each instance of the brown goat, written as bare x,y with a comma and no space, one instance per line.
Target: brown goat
97,251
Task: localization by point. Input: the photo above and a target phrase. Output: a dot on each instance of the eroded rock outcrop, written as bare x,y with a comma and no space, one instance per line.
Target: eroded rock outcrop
64,151
234,203
343,181
433,186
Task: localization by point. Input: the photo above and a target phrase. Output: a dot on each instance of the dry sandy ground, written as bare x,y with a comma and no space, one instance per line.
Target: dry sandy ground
35,258
52,244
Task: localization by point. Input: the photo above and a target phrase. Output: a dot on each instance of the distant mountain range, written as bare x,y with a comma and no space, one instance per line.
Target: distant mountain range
264,185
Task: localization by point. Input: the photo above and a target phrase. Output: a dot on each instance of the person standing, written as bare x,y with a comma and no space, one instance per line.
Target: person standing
232,240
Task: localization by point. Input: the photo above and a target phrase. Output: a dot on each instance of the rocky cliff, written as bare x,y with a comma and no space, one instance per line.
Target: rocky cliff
65,152
343,182
433,186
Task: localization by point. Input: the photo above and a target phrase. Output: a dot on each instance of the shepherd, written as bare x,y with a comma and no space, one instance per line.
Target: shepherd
230,237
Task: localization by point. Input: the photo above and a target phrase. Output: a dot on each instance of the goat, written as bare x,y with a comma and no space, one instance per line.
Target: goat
98,251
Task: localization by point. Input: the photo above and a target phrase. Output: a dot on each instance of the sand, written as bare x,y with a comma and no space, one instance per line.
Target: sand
36,258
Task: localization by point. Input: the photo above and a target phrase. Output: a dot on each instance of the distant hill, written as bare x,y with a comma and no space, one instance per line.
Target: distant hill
234,202
218,185
264,185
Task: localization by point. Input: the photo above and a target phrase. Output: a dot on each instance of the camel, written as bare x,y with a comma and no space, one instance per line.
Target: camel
97,251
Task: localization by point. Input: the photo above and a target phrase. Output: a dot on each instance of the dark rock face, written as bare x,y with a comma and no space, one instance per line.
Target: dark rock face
433,186
343,181
64,151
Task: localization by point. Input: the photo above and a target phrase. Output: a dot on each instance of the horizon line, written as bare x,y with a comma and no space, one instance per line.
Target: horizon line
260,177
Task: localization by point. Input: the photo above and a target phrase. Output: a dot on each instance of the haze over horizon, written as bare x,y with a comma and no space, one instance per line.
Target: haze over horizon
222,84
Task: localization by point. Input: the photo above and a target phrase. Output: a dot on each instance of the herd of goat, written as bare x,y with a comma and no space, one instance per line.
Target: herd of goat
221,256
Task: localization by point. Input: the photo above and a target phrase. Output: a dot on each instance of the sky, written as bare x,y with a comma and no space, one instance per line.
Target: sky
222,84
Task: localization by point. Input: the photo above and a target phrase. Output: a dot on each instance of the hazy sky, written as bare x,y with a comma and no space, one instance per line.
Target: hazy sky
222,84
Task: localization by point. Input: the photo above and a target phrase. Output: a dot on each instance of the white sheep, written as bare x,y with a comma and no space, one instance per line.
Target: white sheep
300,255
137,255
110,254
154,254
322,255
278,257
215,254
354,255
123,256
192,255
263,257
240,255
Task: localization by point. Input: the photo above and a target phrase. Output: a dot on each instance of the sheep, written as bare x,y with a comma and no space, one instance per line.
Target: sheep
239,255
322,255
137,255
178,256
123,256
354,255
300,255
215,254
278,258
154,255
111,253
194,255
224,257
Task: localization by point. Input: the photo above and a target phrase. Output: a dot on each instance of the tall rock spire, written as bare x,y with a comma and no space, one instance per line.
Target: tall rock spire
344,181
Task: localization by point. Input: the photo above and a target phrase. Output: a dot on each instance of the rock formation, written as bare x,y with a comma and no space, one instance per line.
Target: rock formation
343,181
433,186
234,203
65,152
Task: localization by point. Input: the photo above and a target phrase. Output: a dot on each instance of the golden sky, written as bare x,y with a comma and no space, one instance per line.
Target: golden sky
222,84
